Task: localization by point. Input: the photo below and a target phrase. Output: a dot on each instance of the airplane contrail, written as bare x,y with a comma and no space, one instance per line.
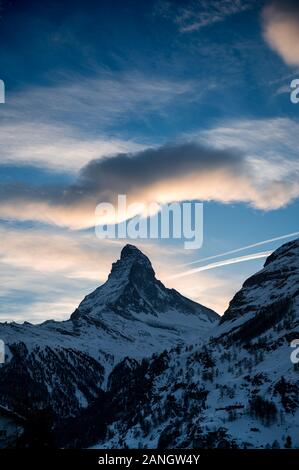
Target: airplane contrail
240,259
253,245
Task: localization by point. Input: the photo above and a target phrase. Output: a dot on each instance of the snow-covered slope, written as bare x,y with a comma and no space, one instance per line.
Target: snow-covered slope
66,363
239,389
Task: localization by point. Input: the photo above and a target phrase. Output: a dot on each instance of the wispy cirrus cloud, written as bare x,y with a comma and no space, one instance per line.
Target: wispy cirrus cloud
98,100
264,136
270,145
27,295
59,148
65,125
70,254
281,29
194,15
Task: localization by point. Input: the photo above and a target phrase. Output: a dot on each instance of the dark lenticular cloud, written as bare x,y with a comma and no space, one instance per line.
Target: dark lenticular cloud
174,172
127,172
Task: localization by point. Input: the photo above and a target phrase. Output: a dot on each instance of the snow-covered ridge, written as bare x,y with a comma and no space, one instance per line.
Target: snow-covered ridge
277,281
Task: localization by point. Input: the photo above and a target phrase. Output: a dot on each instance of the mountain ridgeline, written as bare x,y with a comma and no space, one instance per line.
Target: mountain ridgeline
139,365
65,365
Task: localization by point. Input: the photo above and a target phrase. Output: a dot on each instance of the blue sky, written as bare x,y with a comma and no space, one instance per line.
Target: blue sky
201,88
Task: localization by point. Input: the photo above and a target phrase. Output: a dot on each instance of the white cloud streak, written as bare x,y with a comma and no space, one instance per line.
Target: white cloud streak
59,148
243,248
240,259
65,125
194,15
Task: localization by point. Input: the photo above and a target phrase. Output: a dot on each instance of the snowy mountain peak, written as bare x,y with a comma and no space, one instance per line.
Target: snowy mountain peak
133,265
132,252
132,291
